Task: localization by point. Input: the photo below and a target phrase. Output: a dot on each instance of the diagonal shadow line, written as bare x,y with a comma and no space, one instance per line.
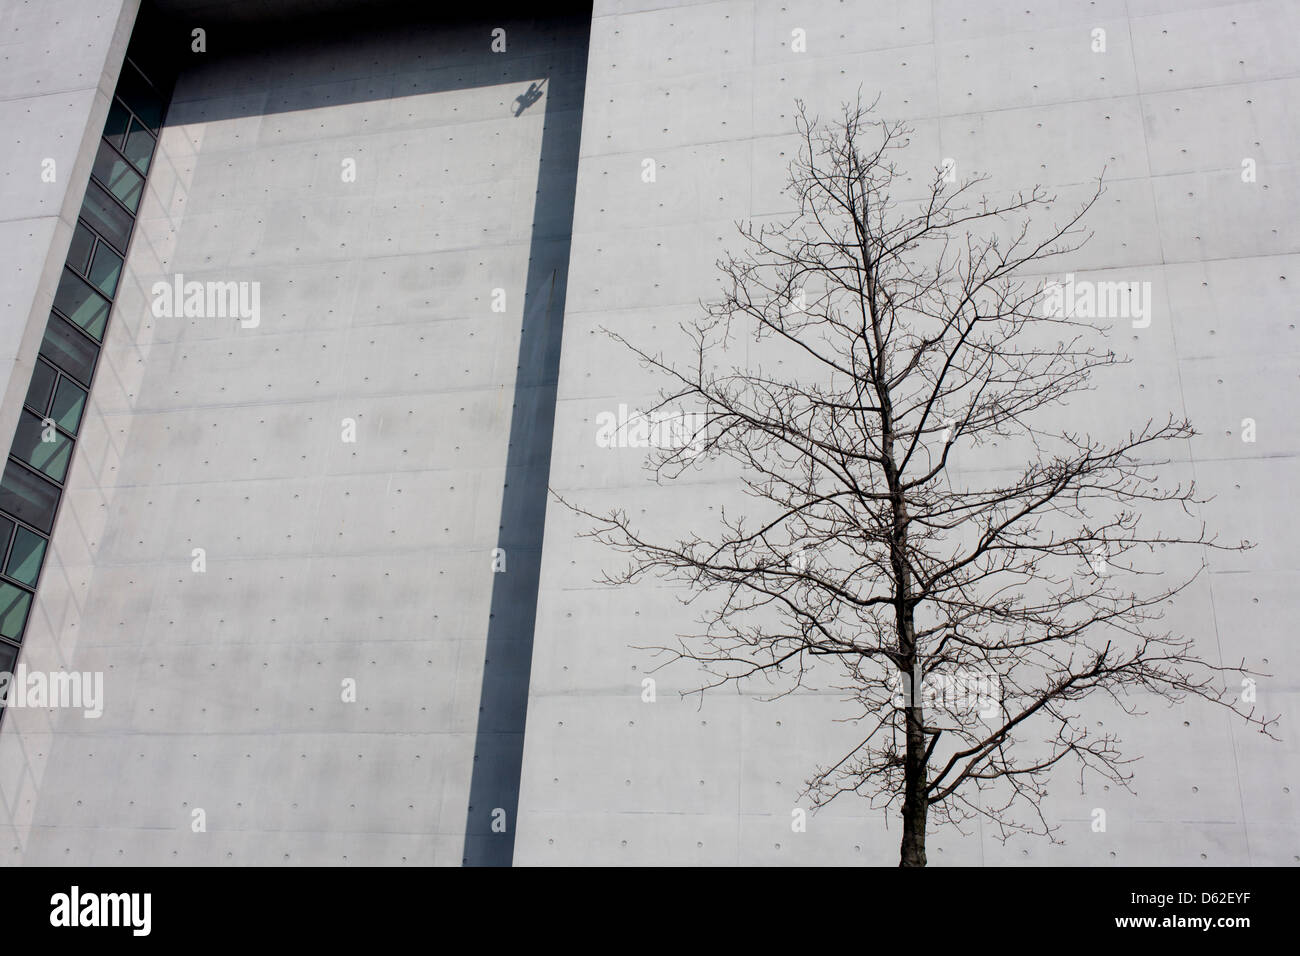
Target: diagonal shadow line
503,702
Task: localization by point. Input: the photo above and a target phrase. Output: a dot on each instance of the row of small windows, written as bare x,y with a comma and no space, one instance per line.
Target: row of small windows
38,462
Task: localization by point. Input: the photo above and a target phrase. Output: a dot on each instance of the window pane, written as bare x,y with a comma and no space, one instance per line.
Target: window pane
139,147
140,96
38,392
117,174
106,217
25,559
80,303
83,240
69,402
118,119
41,446
13,610
106,268
8,657
6,529
69,349
28,496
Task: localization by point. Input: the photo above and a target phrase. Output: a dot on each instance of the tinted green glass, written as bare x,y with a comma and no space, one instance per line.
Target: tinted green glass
137,93
14,602
118,121
69,402
30,445
83,240
106,217
118,176
105,270
139,147
80,303
25,558
42,384
69,349
28,496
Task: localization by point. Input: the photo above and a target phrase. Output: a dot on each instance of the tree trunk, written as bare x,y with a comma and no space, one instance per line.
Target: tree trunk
915,758
914,800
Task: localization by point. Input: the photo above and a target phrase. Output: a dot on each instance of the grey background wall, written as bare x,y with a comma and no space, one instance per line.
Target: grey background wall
326,560
1184,92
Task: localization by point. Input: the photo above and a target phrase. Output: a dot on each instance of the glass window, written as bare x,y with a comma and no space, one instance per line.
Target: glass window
118,175
105,216
13,610
28,496
8,657
83,240
25,558
6,529
139,146
118,121
80,303
136,92
38,392
105,270
42,446
69,402
69,349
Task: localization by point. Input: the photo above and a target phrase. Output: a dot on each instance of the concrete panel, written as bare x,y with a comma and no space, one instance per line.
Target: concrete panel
1015,91
415,306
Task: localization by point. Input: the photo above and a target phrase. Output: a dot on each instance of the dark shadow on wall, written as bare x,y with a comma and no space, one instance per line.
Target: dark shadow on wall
503,704
528,97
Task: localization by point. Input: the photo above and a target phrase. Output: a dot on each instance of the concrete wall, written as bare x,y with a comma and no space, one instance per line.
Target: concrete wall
58,66
1183,92
326,560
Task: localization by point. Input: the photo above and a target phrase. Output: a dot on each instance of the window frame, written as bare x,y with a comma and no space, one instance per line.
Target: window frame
115,210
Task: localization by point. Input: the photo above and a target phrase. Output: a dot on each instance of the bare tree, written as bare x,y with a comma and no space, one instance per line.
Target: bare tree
969,609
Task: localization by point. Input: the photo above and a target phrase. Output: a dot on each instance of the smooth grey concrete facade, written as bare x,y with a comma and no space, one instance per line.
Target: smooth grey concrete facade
1184,92
58,66
328,560
347,465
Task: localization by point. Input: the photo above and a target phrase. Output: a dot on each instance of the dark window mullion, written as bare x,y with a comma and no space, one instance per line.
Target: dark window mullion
94,291
25,524
122,156
41,367
132,116
99,237
12,542
94,362
42,475
4,576
72,446
131,167
13,533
